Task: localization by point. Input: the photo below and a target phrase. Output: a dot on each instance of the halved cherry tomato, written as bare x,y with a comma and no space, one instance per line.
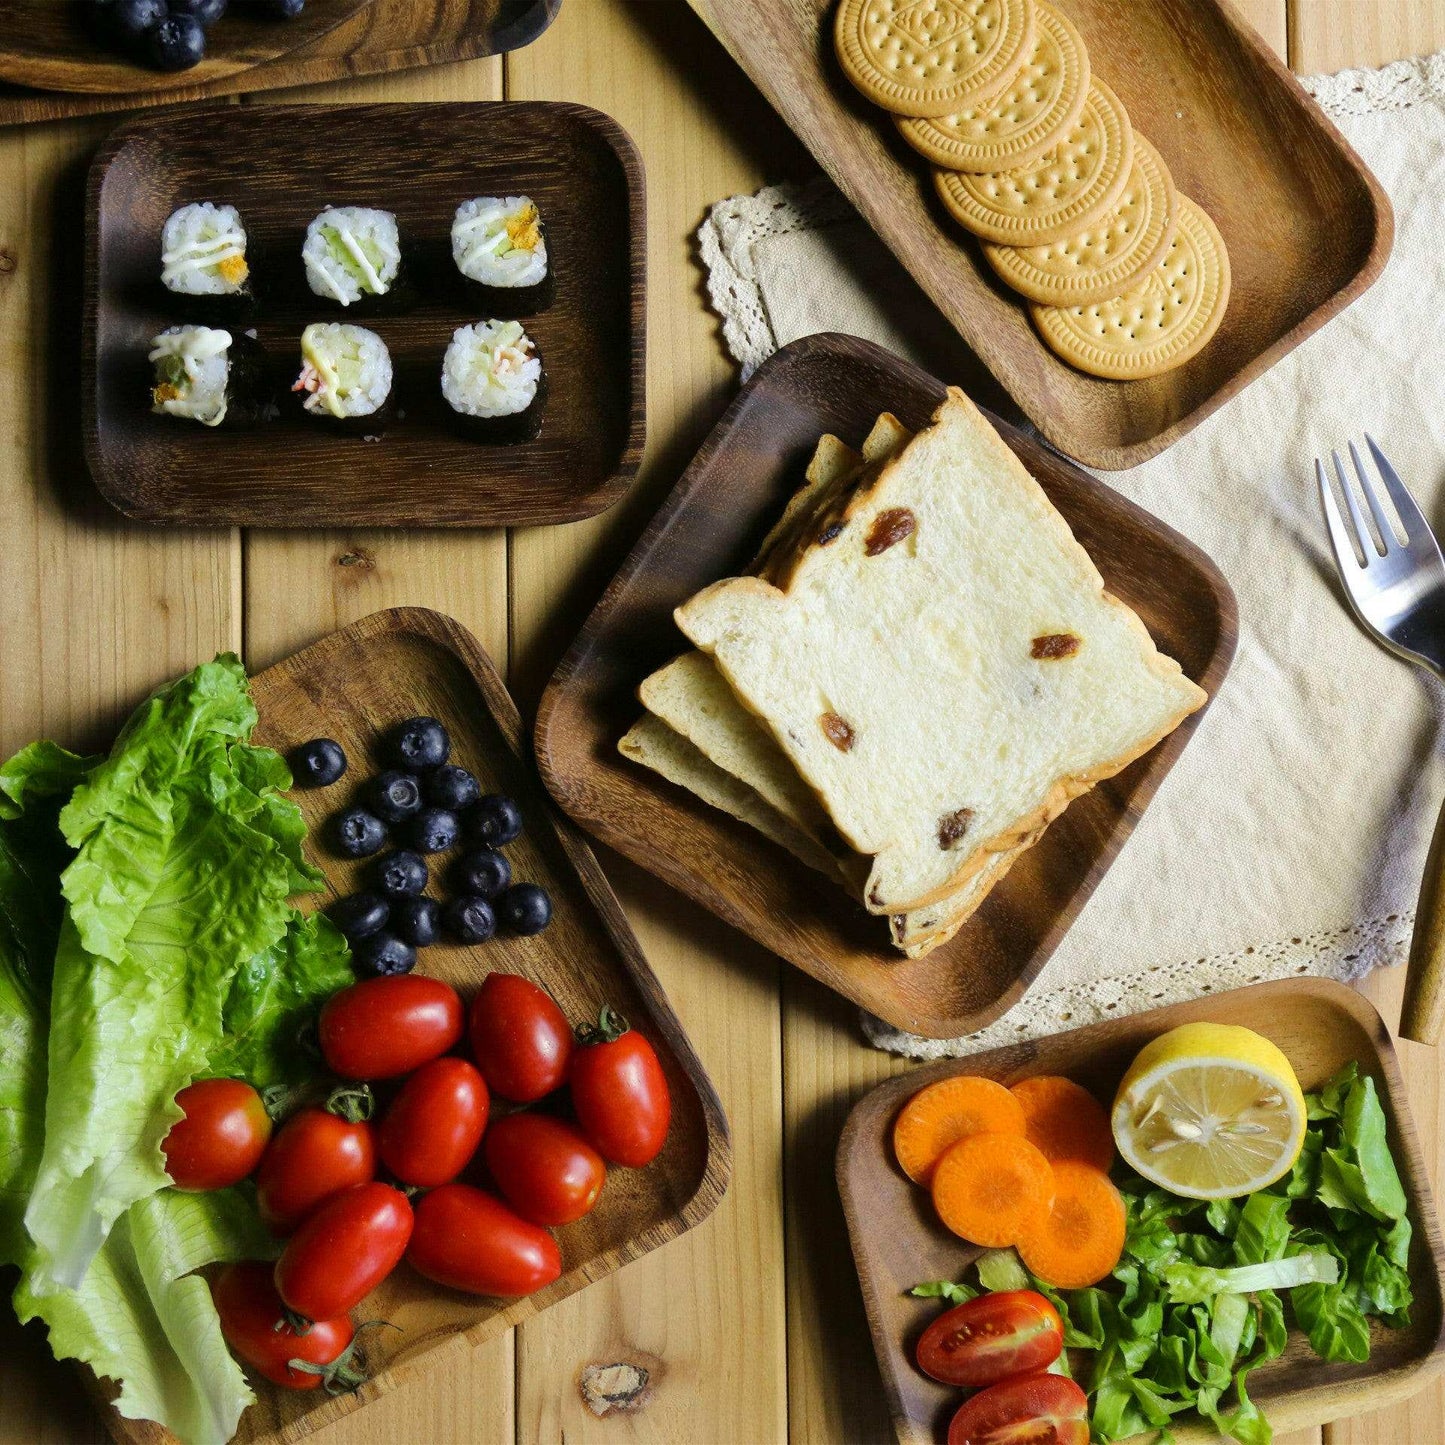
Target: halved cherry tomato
254,1323
520,1039
545,1169
619,1092
435,1124
316,1153
467,1239
344,1250
985,1340
222,1137
1029,1410
383,1027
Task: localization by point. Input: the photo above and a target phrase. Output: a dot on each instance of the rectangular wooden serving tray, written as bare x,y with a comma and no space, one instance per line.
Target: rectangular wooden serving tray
1307,226
280,166
352,686
898,1241
709,528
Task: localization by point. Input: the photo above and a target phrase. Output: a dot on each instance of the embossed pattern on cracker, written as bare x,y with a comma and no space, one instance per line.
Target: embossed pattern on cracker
1108,257
929,57
1159,324
1070,186
1026,119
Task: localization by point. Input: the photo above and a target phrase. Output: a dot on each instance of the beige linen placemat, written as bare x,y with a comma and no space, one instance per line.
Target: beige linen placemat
1290,837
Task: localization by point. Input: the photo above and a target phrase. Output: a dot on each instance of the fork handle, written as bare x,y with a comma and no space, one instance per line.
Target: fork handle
1423,1011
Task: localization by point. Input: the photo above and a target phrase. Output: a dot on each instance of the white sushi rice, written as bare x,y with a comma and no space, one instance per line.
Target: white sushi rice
203,251
197,376
352,252
491,369
498,241
346,369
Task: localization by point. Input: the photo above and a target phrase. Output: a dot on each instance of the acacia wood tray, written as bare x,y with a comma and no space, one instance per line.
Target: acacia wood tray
898,1241
1308,227
709,528
351,686
420,161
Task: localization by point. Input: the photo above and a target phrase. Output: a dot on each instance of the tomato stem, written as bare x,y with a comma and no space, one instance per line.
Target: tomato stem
610,1027
353,1102
299,1324
344,1373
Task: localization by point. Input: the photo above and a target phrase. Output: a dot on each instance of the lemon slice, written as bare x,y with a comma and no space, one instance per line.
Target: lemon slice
1211,1111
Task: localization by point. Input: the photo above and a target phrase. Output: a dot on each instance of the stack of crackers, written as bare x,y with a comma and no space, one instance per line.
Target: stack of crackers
1125,276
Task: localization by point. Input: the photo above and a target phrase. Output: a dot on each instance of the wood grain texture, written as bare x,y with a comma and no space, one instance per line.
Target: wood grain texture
708,529
898,1240
386,35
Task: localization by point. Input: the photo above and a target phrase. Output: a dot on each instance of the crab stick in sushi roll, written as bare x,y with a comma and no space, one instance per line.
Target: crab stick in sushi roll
345,376
499,245
209,376
492,379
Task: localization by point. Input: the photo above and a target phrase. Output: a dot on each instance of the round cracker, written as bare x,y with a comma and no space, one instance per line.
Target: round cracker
1159,324
1108,257
929,57
1028,117
1070,186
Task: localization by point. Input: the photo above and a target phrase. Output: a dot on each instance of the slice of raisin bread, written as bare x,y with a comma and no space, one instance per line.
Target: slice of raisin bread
942,664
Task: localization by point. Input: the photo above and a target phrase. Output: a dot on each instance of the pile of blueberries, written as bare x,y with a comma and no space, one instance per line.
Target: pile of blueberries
427,805
171,34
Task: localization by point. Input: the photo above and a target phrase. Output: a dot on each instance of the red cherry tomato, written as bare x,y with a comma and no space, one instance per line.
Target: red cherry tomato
316,1153
222,1137
471,1241
384,1027
253,1321
619,1092
1029,1410
520,1038
434,1125
545,1169
985,1340
344,1250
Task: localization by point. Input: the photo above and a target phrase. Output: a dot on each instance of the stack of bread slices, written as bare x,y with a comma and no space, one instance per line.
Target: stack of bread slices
918,675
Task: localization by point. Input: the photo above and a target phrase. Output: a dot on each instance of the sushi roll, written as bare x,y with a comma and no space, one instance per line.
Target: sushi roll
353,257
345,375
493,381
203,258
500,246
208,376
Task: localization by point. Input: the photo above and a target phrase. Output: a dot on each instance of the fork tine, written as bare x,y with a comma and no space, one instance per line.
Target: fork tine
1411,517
1382,522
1362,532
1340,537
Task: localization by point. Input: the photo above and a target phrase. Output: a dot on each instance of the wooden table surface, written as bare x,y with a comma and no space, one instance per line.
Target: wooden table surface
752,1325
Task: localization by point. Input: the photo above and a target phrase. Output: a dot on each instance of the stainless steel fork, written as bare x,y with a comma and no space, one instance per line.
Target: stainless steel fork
1397,590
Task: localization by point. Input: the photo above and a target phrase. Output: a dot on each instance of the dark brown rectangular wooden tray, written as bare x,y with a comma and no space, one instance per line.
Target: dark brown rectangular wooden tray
898,1241
1307,226
281,165
709,528
351,686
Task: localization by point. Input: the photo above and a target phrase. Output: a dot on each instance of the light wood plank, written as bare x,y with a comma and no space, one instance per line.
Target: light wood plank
1330,35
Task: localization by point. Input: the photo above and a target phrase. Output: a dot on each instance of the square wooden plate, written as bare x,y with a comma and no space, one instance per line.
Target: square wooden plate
710,528
280,166
1307,226
898,1241
351,686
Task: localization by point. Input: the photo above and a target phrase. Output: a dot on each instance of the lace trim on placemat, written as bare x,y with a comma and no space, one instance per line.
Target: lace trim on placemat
1393,87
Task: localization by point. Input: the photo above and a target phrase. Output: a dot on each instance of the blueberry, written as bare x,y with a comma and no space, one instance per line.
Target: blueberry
433,830
360,915
495,821
417,744
484,873
284,9
524,908
177,43
452,788
384,953
206,11
357,833
470,920
132,20
319,763
401,874
417,920
394,796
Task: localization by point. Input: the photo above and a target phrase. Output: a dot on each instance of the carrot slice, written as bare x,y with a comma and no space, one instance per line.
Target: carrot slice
993,1189
945,1112
1081,1237
1065,1121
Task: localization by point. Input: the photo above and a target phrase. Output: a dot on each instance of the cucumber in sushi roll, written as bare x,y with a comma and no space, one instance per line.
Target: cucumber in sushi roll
500,247
353,258
203,259
208,376
492,379
345,375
